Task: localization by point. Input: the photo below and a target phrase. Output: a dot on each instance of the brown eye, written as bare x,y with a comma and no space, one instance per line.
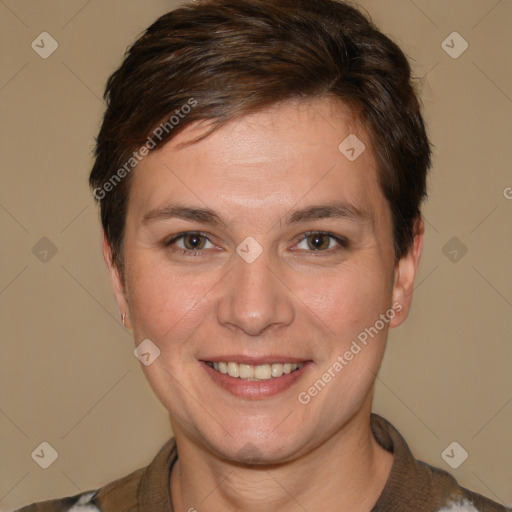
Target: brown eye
194,241
191,243
318,241
322,242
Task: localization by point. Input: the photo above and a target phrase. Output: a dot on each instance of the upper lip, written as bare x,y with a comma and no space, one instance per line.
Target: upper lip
255,360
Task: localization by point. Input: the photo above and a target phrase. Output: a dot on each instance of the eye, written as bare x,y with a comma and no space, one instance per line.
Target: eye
319,241
189,243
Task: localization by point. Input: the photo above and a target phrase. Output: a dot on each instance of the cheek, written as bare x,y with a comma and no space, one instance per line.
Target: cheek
165,305
167,308
352,299
352,305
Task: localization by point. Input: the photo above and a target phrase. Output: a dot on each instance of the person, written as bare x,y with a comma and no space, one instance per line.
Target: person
260,170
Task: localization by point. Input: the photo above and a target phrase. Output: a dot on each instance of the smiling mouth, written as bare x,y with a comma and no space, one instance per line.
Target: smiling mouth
254,372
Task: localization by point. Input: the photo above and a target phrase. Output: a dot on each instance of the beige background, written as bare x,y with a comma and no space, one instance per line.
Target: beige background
68,374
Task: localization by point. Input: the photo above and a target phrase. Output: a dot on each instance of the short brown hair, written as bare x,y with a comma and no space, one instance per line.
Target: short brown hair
229,58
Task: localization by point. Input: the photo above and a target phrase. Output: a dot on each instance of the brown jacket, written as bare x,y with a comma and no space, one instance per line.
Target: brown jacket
412,486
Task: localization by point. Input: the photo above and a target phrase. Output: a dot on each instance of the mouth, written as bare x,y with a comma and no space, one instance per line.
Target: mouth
258,380
257,372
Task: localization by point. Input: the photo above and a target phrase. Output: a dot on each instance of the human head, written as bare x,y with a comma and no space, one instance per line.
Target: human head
253,150
220,60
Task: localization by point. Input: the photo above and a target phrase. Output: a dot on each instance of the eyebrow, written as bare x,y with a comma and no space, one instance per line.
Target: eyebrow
170,211
336,209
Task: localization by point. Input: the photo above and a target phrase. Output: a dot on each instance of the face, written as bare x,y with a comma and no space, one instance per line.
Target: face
263,245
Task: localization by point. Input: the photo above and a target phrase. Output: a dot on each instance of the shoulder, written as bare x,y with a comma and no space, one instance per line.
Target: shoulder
416,485
83,502
126,494
456,498
119,495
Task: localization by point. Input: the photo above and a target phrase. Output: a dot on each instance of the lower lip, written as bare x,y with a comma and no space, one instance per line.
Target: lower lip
255,389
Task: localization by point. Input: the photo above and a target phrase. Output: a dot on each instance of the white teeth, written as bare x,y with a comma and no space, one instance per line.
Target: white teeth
277,370
233,370
263,372
246,371
258,372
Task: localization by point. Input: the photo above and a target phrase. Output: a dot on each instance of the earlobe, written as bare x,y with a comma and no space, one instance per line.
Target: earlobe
405,274
117,283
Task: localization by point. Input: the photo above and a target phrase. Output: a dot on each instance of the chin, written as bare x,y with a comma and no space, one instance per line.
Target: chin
254,446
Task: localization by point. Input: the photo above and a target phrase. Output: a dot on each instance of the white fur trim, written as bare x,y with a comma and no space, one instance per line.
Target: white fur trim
464,506
84,504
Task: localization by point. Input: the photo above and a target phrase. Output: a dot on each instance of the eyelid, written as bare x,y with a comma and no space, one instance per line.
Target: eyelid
176,237
342,241
170,244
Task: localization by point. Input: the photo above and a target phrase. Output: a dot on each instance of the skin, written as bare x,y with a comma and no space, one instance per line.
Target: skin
293,300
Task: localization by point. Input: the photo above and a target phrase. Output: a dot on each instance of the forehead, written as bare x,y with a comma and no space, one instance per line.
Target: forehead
296,153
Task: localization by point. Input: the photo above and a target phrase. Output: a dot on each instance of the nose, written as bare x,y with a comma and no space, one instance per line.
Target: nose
254,299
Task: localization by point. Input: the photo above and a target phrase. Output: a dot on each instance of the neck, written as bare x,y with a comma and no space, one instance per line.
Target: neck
347,472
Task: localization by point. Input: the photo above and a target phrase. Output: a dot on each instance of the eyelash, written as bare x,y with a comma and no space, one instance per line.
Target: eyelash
343,243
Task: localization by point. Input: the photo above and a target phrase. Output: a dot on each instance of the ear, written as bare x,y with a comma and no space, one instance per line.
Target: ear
405,272
117,282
